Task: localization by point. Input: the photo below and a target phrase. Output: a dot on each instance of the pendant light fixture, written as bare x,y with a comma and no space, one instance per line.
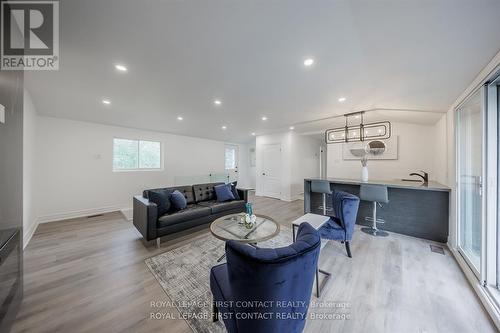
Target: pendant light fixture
358,133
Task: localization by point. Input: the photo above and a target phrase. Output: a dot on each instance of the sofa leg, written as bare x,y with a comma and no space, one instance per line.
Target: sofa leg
348,249
215,312
158,242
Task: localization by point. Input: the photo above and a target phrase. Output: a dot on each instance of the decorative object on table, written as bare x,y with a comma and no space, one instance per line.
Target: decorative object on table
360,132
250,217
362,153
364,168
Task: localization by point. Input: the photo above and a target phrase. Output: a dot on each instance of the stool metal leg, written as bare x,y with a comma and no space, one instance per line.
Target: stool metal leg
324,204
373,230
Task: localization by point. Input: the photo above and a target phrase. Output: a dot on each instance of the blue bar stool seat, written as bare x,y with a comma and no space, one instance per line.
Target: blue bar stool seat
378,195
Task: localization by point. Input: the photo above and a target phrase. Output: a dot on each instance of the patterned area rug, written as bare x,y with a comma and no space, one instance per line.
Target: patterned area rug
184,275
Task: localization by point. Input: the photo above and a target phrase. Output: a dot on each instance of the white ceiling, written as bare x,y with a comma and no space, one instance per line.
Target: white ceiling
182,54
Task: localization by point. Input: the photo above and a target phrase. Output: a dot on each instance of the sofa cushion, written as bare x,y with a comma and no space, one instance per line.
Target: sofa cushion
162,199
223,192
204,192
178,200
219,207
235,191
186,190
191,212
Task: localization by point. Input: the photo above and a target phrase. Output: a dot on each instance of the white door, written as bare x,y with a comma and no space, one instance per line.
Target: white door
231,162
271,171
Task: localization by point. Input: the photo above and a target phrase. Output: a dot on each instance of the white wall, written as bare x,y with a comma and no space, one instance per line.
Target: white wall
305,163
74,166
29,168
246,172
252,170
421,147
440,158
299,160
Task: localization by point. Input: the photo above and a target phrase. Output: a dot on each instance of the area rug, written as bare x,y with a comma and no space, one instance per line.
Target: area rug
184,275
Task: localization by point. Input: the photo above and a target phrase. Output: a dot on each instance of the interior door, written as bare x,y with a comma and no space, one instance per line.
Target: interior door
271,171
470,205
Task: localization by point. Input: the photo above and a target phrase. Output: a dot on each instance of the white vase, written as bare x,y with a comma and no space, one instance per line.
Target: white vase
364,174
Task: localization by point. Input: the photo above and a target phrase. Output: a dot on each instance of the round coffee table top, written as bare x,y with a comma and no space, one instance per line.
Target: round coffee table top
229,228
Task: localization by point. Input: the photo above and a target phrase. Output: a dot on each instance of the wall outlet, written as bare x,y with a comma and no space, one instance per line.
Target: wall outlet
2,114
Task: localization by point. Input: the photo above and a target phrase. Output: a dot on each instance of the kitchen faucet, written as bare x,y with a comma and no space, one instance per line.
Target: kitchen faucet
425,176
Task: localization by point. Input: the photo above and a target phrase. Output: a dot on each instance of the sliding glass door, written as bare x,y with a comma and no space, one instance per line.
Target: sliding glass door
470,129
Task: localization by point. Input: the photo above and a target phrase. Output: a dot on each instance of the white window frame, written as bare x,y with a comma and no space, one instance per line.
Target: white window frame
138,155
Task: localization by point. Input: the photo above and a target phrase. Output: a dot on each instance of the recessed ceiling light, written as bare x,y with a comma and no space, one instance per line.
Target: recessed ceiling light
308,62
217,102
342,99
253,133
224,127
264,118
121,68
106,101
292,128
179,118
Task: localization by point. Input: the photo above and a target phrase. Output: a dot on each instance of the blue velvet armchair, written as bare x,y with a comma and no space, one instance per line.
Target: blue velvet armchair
341,226
266,290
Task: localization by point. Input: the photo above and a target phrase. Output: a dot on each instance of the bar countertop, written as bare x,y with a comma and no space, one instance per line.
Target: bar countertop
394,183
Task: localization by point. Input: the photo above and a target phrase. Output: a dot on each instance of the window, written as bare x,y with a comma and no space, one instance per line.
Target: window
136,155
230,158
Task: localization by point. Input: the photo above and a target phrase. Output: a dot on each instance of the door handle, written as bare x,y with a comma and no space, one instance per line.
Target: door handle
263,174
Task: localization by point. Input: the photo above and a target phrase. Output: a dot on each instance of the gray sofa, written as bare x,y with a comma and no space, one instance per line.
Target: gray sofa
202,207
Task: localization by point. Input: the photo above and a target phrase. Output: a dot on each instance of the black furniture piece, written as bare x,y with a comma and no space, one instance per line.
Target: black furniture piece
202,207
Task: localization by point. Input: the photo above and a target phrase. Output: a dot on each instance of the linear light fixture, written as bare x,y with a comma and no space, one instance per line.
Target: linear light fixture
358,133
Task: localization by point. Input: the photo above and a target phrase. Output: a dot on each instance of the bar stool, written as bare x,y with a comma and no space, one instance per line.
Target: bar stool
323,187
378,195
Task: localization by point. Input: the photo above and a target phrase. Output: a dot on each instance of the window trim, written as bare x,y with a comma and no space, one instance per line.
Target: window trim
161,168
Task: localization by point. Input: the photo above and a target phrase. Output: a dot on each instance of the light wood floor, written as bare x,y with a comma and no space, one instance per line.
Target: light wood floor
88,275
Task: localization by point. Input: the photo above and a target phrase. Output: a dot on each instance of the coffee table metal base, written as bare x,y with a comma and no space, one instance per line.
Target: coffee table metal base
224,255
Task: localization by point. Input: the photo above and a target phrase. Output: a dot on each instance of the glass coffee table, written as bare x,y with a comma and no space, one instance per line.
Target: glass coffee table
229,228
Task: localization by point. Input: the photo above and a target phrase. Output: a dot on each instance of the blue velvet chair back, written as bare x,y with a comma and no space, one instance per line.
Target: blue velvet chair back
345,207
274,275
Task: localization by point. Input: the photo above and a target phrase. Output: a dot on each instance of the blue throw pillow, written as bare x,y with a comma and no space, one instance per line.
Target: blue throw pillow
178,200
235,191
223,192
162,199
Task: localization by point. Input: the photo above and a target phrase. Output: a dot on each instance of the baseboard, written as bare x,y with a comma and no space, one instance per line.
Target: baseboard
29,233
488,303
128,213
77,214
